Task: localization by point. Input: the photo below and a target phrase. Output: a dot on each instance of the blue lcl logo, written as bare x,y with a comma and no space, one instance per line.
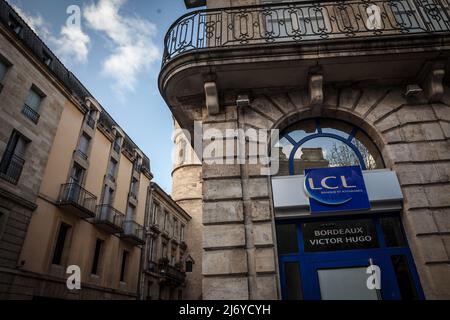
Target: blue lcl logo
336,189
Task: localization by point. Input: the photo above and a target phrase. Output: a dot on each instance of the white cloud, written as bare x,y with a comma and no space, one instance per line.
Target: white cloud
132,38
35,22
72,44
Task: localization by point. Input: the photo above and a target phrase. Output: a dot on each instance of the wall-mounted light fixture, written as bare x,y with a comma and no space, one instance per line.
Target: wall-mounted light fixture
413,90
242,100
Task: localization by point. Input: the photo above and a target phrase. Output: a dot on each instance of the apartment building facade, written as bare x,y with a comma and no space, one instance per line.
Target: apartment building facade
352,86
167,257
75,189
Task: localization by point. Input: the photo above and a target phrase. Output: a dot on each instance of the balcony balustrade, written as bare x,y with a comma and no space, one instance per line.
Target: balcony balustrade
30,113
11,168
133,233
298,22
77,200
109,219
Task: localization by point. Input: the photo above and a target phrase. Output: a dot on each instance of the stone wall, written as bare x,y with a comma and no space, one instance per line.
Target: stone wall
18,201
239,259
187,193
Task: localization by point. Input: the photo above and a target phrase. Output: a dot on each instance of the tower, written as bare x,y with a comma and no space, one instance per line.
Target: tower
187,193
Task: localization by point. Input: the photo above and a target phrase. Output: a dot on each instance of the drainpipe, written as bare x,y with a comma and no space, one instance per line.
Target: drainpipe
143,264
248,221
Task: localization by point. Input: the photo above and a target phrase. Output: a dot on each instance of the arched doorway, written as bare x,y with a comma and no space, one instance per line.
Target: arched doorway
338,254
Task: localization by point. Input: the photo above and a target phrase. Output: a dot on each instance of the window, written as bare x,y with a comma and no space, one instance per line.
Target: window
60,244
12,161
116,145
182,233
46,58
123,267
131,212
83,147
152,250
154,214
166,222
316,143
112,169
97,256
3,69
164,250
90,118
3,217
287,238
32,104
77,174
14,25
133,188
173,254
175,228
189,266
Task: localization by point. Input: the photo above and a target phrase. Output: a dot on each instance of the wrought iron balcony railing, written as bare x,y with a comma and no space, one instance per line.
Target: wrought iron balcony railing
30,113
73,194
109,218
133,232
298,22
11,167
170,272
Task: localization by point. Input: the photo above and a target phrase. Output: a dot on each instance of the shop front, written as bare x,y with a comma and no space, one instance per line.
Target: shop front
338,218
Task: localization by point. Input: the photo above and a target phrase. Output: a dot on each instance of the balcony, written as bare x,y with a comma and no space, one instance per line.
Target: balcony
133,233
11,168
77,200
171,274
276,45
109,219
30,113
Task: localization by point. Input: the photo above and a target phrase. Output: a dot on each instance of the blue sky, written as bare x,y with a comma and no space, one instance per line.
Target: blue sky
116,53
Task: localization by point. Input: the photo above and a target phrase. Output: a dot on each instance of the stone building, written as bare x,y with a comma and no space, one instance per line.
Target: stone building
367,84
74,188
167,257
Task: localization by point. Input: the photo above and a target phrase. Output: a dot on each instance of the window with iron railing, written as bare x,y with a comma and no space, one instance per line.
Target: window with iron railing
32,105
12,162
83,146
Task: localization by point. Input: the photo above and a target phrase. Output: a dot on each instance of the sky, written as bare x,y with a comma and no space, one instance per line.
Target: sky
116,50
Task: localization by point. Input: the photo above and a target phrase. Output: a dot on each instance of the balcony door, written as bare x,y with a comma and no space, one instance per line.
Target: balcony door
75,181
107,201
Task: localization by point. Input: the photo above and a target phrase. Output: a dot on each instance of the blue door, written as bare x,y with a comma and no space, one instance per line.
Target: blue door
329,259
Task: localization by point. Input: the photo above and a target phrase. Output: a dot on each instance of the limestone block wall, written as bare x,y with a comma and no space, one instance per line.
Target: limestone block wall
239,258
413,135
187,193
18,201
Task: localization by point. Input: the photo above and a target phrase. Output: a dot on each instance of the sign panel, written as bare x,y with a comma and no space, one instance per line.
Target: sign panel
336,189
339,235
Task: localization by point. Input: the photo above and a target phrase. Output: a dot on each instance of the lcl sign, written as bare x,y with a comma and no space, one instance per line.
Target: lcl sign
336,189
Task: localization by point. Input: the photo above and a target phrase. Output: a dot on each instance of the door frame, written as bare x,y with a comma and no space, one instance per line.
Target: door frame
309,262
